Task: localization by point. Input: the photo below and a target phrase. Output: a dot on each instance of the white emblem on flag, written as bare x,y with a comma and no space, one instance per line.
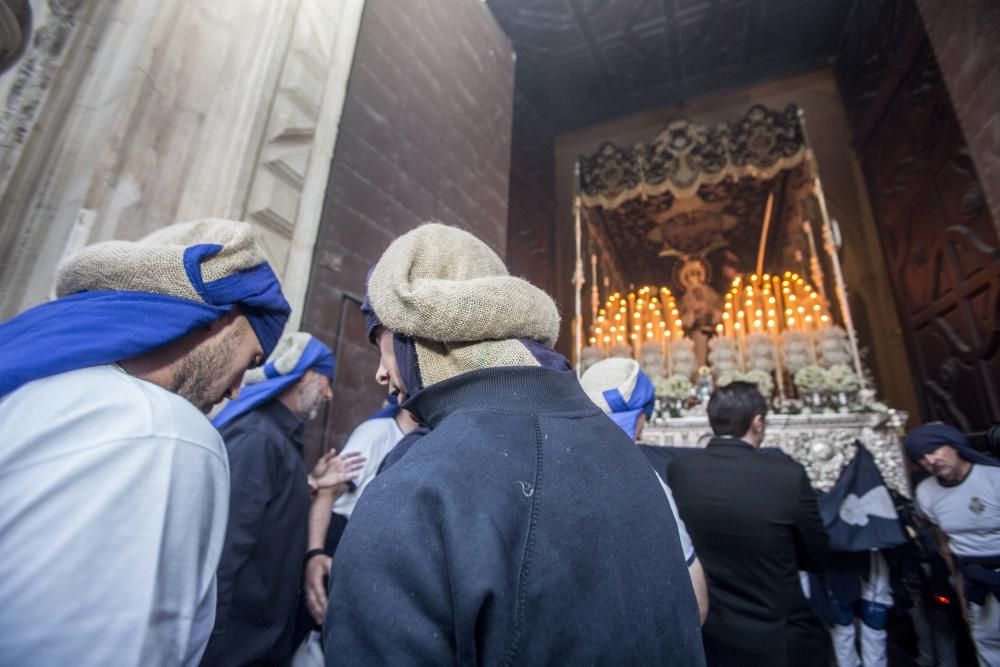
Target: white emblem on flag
856,510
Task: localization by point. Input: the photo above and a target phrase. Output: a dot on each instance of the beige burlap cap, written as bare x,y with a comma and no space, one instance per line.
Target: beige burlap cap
155,264
443,284
614,373
286,355
440,361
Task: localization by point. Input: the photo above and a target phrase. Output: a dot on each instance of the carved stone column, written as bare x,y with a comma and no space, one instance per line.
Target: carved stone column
166,110
15,30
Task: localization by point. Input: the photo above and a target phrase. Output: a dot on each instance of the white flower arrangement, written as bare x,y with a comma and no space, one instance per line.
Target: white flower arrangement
756,376
589,356
812,378
682,357
832,346
760,352
842,378
868,403
723,355
795,352
675,387
651,360
762,379
620,350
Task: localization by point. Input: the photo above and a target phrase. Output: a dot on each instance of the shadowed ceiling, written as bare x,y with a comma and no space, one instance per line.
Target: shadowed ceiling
581,62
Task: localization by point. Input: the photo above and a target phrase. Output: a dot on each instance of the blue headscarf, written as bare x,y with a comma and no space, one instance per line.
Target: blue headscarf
98,327
929,437
316,356
625,413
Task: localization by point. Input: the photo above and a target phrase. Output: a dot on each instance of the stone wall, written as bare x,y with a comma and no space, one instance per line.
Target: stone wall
425,136
127,115
531,219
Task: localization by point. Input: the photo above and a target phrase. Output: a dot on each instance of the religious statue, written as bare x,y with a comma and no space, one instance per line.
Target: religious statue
701,306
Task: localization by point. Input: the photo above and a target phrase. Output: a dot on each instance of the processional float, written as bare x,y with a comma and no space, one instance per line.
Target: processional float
705,267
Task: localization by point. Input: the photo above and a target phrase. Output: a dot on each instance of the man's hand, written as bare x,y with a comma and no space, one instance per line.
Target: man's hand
333,469
317,571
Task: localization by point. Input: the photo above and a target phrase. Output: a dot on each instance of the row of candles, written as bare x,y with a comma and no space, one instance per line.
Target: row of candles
648,315
772,304
768,304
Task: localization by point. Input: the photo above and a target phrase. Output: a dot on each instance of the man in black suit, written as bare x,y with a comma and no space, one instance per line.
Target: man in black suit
755,523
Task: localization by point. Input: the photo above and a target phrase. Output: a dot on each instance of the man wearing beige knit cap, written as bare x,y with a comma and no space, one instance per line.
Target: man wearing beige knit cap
115,486
525,527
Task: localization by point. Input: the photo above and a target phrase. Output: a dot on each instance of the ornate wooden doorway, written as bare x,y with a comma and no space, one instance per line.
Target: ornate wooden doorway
939,238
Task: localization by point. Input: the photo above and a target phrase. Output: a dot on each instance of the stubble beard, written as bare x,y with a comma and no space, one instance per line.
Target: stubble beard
199,372
310,399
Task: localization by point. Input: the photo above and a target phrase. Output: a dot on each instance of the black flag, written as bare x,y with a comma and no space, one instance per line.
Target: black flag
858,511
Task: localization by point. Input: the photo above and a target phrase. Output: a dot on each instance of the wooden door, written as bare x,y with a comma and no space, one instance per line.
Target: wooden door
938,236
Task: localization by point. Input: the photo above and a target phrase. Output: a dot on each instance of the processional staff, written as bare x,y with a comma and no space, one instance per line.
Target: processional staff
831,250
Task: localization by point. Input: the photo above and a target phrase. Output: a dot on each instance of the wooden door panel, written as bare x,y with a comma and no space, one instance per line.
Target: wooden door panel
938,236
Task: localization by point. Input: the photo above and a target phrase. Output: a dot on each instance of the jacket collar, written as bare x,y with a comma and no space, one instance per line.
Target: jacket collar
730,441
525,389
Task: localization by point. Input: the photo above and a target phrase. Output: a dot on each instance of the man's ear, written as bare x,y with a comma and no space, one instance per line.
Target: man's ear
757,425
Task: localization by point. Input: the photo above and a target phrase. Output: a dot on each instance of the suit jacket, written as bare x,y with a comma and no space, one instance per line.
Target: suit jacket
755,523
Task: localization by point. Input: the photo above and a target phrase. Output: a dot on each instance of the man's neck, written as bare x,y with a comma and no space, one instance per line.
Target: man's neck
405,422
289,398
963,470
152,367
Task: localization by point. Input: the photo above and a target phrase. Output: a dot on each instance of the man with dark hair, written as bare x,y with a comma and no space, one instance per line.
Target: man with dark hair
525,528
755,523
736,410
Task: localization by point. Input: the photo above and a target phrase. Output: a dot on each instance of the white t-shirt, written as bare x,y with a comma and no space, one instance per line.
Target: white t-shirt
374,439
114,495
968,513
686,544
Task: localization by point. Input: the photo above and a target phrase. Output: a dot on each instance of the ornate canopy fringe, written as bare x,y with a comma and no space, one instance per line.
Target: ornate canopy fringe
686,156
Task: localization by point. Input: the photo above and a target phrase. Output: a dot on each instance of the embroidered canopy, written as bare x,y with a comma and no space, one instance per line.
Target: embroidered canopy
685,156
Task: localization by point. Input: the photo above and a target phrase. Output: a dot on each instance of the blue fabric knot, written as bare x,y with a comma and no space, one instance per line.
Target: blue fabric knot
256,290
626,413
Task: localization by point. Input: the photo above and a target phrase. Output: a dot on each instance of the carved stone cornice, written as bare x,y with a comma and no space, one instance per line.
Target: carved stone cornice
822,443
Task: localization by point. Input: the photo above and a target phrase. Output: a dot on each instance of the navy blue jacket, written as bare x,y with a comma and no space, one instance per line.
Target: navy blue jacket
525,528
260,574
